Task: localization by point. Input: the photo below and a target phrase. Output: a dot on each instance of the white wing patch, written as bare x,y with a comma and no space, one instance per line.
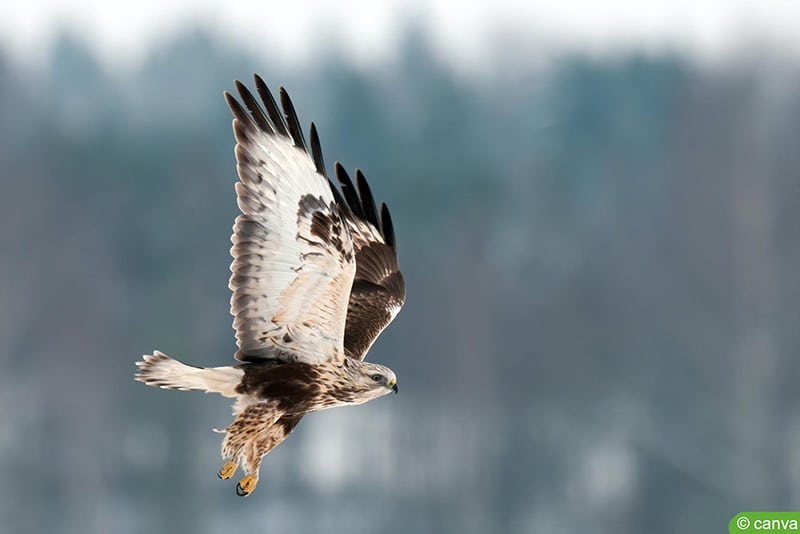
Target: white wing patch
293,255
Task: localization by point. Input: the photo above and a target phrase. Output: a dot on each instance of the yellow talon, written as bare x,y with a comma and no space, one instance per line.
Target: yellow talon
246,486
227,470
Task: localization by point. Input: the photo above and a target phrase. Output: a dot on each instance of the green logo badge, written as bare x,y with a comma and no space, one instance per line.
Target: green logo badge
752,522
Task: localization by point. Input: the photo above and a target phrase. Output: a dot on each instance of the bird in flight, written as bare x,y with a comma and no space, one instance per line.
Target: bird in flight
315,280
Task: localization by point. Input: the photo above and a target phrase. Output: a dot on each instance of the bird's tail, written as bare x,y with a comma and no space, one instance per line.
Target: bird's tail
159,370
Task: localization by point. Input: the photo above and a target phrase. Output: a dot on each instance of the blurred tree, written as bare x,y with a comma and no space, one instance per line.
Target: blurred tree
602,295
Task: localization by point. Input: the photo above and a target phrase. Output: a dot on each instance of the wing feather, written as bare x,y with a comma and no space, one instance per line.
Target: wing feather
349,191
294,260
294,123
316,151
278,120
254,108
378,290
367,201
387,226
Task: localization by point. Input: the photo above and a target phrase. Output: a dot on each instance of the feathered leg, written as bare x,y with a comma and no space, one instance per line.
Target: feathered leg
257,430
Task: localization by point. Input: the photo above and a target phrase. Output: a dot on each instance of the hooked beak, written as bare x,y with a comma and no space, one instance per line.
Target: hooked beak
393,386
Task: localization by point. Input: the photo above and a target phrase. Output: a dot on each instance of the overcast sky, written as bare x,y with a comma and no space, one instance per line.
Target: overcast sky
122,32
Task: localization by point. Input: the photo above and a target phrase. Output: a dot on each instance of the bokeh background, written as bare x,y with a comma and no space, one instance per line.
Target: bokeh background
597,209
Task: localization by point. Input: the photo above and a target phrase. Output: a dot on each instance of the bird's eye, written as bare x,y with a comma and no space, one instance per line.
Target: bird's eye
377,378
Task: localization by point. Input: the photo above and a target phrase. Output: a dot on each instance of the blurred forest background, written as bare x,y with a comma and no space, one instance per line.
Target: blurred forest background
603,277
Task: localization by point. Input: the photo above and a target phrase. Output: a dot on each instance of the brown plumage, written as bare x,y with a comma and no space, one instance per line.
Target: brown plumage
378,289
314,281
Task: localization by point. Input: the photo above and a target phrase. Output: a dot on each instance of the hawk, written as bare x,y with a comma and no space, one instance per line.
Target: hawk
315,280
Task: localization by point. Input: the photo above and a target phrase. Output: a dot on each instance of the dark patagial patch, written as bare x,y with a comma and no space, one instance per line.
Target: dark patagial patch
308,204
321,226
326,223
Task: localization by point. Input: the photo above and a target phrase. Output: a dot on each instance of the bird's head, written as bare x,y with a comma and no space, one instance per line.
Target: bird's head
371,379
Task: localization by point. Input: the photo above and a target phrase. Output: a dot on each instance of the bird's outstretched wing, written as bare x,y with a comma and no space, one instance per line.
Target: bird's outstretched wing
294,260
378,289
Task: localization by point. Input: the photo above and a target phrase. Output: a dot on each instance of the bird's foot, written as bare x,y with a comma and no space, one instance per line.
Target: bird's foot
246,486
227,470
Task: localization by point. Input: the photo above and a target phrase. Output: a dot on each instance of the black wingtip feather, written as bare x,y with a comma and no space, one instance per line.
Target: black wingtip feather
237,109
355,199
255,110
349,191
387,226
337,196
316,151
274,113
367,201
292,120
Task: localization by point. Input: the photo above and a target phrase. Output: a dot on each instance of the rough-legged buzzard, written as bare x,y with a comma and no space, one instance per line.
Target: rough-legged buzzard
315,280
